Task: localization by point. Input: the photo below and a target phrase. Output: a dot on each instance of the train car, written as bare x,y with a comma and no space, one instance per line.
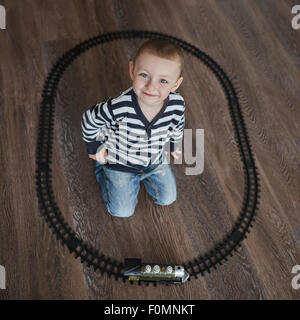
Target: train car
173,274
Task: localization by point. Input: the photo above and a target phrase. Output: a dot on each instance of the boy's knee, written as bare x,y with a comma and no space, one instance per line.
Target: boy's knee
166,201
121,212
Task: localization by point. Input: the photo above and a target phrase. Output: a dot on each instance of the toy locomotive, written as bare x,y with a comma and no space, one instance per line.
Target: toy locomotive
136,270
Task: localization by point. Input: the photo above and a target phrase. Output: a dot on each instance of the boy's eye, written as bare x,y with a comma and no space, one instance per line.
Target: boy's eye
144,75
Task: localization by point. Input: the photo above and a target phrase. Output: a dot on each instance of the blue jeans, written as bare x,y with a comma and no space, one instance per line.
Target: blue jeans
120,189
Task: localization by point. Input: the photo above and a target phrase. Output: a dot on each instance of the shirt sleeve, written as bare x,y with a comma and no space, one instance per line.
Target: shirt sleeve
95,124
177,133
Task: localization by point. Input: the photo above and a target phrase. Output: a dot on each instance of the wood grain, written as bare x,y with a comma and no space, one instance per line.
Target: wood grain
255,45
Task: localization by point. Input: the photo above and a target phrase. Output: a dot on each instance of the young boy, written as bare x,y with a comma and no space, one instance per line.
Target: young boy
127,135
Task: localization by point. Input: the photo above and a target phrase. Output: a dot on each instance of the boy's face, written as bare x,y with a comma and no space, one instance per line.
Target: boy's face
154,78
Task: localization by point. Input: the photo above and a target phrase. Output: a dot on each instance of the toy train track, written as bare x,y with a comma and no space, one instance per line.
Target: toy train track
49,209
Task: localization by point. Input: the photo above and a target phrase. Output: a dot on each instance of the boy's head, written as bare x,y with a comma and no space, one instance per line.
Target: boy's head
156,70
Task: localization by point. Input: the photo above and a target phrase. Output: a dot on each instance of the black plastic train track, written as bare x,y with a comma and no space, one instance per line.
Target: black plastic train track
49,209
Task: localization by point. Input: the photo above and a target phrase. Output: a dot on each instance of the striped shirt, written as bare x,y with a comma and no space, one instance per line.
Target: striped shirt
132,142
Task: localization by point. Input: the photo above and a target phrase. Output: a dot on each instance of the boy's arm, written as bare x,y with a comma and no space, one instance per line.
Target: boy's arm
177,133
95,122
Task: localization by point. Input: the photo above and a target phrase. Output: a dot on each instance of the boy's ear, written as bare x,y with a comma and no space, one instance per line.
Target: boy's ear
131,68
178,83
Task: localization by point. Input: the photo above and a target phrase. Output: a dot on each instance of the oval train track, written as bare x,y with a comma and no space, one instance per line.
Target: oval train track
49,209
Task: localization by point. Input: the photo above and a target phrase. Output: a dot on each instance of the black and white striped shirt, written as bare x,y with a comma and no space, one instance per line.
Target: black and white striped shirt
132,142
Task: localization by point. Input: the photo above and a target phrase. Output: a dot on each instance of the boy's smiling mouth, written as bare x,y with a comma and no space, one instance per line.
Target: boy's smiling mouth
149,95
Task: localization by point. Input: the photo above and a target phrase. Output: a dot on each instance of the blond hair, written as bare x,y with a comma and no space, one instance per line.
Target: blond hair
162,48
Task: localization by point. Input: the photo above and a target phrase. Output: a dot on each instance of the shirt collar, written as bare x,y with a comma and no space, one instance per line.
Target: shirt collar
139,111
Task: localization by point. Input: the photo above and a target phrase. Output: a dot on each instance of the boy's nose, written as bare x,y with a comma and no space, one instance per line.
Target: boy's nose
150,85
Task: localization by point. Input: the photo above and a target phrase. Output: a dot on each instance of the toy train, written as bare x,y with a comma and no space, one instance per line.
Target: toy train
136,270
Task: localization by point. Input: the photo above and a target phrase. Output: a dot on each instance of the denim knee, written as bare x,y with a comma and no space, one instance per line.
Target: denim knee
167,200
120,211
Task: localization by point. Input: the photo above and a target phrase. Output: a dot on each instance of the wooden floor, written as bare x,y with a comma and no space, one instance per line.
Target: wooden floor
256,46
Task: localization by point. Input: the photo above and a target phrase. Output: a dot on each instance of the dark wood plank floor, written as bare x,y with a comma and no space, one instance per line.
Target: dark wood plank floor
256,46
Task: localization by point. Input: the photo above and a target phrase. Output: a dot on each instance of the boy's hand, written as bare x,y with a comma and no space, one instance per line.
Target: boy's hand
175,153
100,156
